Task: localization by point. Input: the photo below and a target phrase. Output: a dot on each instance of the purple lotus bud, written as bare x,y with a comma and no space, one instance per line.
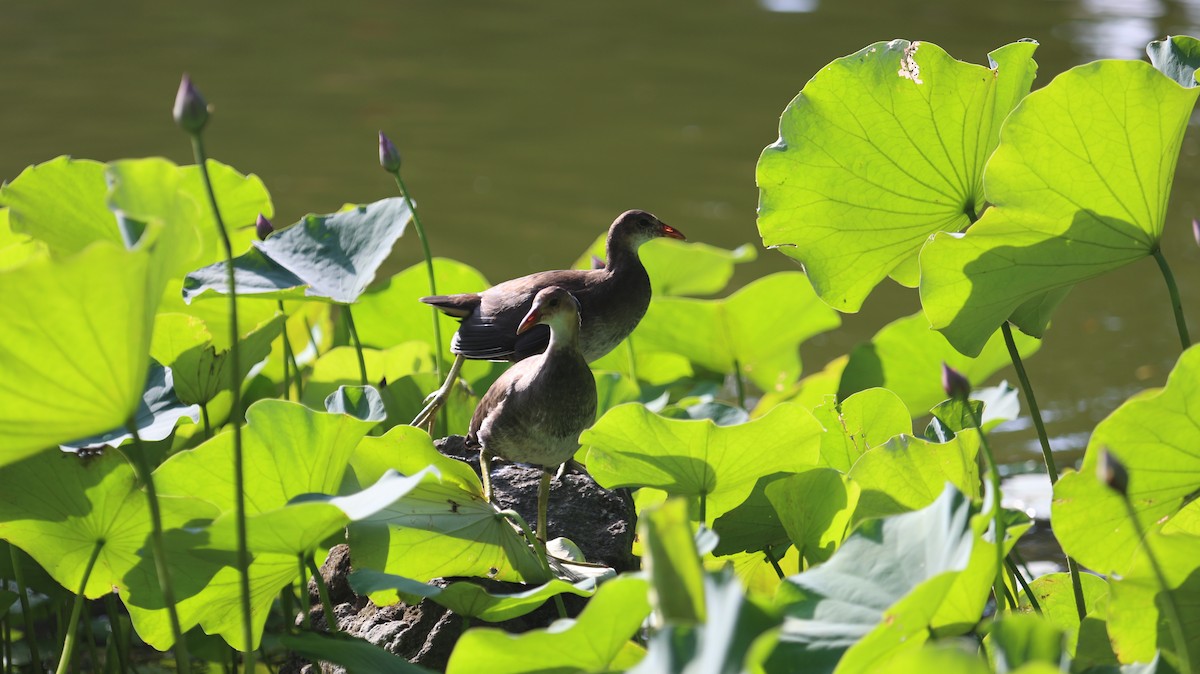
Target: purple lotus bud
263,227
191,112
1112,472
389,156
597,263
383,382
1196,230
954,384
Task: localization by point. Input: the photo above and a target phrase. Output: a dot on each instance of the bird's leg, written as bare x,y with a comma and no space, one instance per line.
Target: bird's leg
543,505
485,473
439,397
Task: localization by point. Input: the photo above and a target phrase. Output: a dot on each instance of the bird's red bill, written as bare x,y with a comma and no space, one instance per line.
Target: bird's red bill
531,319
670,231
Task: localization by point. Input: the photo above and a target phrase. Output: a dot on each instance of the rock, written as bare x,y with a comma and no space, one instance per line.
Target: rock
599,521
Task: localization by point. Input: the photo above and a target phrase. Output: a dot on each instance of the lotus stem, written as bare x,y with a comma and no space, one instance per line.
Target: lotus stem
1016,572
323,592
305,602
1176,304
1047,454
90,632
68,649
287,356
141,466
23,590
633,370
207,421
235,412
994,479
739,384
6,651
539,548
118,633
362,364
437,328
769,552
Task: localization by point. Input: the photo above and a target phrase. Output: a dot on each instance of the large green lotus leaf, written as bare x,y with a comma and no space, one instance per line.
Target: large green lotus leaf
1056,597
74,346
1079,185
595,642
866,419
908,473
881,149
613,389
758,328
670,559
155,189
361,402
201,370
156,416
879,592
1137,621
288,450
62,203
465,598
16,249
339,367
1157,436
355,655
442,528
906,357
57,507
678,267
938,657
722,643
815,508
392,313
656,368
207,591
330,257
754,524
959,612
633,447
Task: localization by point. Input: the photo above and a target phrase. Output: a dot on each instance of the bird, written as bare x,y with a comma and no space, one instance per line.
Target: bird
613,299
535,411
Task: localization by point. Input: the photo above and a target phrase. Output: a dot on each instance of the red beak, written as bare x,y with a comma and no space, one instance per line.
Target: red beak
671,232
531,319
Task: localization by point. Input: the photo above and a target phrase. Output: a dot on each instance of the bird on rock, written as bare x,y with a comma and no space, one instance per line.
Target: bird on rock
536,410
613,300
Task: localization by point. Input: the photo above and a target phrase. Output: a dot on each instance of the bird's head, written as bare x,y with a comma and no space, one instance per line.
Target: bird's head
552,306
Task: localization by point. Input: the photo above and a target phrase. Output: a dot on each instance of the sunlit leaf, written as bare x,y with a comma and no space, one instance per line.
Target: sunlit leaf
631,446
1138,621
16,249
865,420
758,329
815,508
1157,436
906,358
879,150
1113,127
908,473
1056,597
201,368
592,643
74,346
61,203
331,257
672,564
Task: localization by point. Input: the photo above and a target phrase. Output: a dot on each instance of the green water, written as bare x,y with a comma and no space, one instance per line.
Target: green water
527,126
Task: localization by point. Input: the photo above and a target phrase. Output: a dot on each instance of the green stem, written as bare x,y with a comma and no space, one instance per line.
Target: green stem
23,590
287,356
235,412
739,384
994,480
703,507
633,372
323,592
287,604
1047,453
90,633
118,632
769,551
207,421
437,328
1176,304
68,649
362,363
305,602
1016,572
299,376
141,466
1174,618
7,652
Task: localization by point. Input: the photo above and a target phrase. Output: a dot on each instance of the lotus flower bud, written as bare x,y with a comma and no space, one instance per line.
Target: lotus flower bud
389,156
263,227
1196,230
191,111
954,384
1112,472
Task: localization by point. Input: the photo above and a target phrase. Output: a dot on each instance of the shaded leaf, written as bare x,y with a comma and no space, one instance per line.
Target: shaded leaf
1137,615
815,508
672,564
1176,57
156,415
360,402
201,368
909,473
358,656
1115,128
465,598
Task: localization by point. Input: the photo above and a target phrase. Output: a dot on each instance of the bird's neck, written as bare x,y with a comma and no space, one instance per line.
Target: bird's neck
564,335
621,254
